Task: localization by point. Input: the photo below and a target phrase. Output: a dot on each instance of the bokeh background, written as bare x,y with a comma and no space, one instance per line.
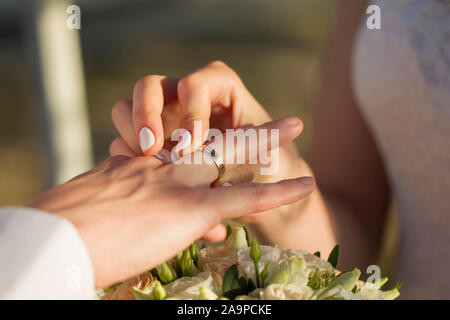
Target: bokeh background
274,45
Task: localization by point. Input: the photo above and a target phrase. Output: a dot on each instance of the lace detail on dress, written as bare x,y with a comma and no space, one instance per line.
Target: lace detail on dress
402,83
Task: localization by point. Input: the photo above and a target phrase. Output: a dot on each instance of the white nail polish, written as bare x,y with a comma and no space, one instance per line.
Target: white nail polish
146,138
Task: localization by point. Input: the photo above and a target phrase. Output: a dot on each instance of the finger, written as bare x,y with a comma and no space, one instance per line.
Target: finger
216,234
214,86
149,96
244,151
120,147
195,103
237,201
252,146
122,116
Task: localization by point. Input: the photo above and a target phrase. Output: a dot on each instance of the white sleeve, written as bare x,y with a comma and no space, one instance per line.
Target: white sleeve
42,256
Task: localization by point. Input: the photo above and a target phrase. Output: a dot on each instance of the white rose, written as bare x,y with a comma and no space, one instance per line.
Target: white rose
188,288
217,259
282,292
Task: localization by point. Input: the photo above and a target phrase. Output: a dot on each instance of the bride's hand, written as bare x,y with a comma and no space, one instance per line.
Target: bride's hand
213,95
134,213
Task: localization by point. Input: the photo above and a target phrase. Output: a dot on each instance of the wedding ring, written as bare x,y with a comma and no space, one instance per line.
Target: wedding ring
163,155
218,161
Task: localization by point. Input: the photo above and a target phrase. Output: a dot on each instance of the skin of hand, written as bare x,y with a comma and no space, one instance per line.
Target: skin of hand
134,213
213,95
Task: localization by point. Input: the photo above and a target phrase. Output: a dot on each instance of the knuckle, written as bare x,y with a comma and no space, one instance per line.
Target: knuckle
190,82
119,108
218,64
142,112
168,171
142,162
118,158
113,162
146,81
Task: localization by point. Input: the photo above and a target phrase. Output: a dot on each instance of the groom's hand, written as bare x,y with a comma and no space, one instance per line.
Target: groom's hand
134,213
217,98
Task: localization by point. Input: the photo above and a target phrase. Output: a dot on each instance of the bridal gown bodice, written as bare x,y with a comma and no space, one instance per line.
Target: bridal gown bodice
402,84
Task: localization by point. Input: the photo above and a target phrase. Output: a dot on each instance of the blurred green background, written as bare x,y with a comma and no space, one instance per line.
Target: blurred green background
275,46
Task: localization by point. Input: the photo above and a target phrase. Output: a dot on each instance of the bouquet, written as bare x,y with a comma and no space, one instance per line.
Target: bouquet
244,270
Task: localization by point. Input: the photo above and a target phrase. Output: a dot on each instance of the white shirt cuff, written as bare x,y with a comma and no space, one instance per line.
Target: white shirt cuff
42,256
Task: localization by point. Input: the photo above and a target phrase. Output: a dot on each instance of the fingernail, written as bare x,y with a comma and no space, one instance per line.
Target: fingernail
306,180
293,121
226,184
146,138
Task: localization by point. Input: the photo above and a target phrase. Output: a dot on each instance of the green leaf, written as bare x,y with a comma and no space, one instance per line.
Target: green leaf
246,236
317,254
333,258
166,273
394,293
255,252
255,255
233,285
194,253
187,264
251,285
314,282
159,293
141,295
381,282
177,263
264,275
347,279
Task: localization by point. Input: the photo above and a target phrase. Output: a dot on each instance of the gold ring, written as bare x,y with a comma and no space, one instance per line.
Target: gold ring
218,161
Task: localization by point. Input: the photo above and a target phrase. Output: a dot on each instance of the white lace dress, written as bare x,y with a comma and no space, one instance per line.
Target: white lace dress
402,82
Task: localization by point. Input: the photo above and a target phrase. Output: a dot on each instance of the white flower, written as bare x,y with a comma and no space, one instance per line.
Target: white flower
370,291
189,288
270,255
217,259
280,292
313,262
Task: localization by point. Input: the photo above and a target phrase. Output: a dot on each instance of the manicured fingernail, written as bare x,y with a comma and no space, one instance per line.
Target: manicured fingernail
146,138
226,184
306,180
